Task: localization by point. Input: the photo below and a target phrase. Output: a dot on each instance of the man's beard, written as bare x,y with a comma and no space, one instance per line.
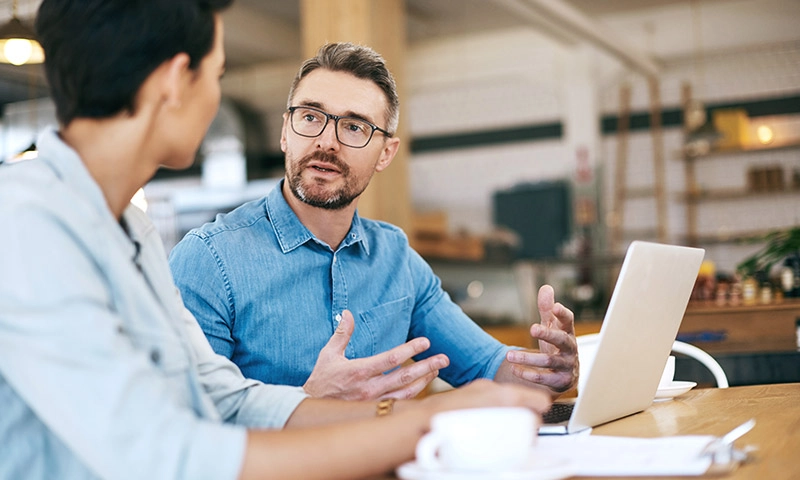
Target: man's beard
320,197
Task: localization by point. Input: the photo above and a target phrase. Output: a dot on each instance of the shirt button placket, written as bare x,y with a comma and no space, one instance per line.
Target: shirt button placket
335,310
338,296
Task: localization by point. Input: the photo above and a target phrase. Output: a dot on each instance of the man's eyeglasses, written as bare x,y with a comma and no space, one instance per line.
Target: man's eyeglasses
352,132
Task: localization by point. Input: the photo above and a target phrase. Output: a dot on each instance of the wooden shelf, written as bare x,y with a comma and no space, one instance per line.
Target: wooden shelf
728,238
693,195
754,328
721,194
740,329
742,150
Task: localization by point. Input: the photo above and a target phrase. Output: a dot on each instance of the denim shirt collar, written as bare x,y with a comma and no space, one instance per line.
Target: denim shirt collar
291,233
67,165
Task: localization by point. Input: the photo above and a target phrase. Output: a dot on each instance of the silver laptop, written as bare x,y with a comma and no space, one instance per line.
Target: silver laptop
641,323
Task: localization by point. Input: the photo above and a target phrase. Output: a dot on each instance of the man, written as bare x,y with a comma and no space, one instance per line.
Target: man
103,372
274,282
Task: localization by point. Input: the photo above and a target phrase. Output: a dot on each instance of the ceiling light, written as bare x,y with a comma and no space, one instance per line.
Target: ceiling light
702,135
18,44
765,134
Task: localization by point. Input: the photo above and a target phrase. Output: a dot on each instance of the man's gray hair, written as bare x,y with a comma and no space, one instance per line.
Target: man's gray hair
361,62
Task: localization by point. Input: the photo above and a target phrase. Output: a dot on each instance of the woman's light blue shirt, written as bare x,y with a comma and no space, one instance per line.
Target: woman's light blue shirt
103,372
267,294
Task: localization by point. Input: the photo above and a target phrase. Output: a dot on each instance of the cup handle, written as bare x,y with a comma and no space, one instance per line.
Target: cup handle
427,449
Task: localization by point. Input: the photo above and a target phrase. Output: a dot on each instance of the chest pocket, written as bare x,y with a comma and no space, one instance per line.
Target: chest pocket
381,328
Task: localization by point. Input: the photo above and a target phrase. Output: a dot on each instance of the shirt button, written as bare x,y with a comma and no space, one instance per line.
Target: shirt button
352,235
338,318
334,259
155,355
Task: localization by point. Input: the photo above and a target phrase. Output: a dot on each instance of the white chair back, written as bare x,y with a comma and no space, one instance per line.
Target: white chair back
587,349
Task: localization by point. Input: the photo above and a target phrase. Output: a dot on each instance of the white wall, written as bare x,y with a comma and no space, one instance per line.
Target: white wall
477,83
463,84
750,49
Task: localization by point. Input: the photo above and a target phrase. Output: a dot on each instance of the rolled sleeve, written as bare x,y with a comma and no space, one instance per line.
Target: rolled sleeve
238,399
473,353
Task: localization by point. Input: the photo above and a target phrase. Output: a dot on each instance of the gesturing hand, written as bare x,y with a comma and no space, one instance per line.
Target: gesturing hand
555,366
334,376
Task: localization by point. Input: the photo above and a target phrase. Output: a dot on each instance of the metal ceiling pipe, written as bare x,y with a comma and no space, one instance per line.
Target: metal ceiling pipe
569,22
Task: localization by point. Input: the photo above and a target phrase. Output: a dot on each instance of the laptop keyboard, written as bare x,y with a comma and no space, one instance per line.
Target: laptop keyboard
559,412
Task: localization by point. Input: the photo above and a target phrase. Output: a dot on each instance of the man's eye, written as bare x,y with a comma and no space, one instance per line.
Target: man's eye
356,127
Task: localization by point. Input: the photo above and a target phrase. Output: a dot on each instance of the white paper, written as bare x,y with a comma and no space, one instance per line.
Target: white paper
597,455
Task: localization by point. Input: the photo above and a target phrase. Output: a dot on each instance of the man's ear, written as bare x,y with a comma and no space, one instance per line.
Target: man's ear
176,77
284,131
388,152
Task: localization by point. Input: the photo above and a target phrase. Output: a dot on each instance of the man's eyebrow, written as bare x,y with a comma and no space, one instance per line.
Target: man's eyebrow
349,113
309,103
357,115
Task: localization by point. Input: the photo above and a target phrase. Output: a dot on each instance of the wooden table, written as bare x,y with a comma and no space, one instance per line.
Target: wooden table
715,411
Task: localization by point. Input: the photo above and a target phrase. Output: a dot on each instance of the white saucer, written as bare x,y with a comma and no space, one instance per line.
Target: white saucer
674,389
537,468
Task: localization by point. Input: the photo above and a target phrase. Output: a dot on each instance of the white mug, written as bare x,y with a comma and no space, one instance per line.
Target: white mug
668,374
478,439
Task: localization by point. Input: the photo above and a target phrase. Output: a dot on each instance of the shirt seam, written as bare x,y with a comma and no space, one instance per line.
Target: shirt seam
206,239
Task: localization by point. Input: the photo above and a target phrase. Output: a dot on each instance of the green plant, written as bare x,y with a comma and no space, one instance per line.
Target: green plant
779,245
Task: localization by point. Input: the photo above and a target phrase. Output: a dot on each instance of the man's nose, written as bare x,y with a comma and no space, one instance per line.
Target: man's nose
327,139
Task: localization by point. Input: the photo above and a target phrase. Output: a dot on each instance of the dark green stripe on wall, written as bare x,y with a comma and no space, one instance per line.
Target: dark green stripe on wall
524,133
674,117
639,121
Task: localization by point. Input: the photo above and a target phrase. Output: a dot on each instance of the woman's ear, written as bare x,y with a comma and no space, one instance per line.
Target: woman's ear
176,77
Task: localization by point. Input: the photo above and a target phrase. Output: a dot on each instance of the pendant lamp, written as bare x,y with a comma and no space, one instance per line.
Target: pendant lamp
702,134
18,44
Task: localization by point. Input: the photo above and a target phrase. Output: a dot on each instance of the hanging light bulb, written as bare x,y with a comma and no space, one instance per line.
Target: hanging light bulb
702,134
765,134
18,43
18,50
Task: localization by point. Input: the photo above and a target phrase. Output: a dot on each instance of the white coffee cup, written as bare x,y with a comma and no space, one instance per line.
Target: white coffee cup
478,439
668,374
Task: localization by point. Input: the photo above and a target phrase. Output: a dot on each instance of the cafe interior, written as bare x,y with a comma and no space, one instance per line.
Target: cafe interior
539,139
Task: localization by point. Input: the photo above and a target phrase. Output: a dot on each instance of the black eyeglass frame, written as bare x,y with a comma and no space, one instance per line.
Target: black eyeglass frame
336,118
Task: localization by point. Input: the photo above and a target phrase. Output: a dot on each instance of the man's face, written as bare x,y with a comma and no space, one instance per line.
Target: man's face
320,171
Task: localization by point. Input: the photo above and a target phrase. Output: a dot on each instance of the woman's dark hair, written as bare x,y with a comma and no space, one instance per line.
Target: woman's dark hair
99,52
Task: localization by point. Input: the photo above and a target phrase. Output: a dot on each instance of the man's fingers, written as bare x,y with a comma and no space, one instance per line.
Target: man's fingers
558,381
341,336
558,338
409,380
413,389
410,373
545,302
563,318
539,360
383,362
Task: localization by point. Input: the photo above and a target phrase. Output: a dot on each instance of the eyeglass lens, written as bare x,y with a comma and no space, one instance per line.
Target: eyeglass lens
349,131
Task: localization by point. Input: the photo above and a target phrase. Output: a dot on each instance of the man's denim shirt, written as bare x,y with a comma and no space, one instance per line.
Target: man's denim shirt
268,294
103,372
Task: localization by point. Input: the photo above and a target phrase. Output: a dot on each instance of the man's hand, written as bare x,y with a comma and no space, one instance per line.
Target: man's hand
555,366
334,376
